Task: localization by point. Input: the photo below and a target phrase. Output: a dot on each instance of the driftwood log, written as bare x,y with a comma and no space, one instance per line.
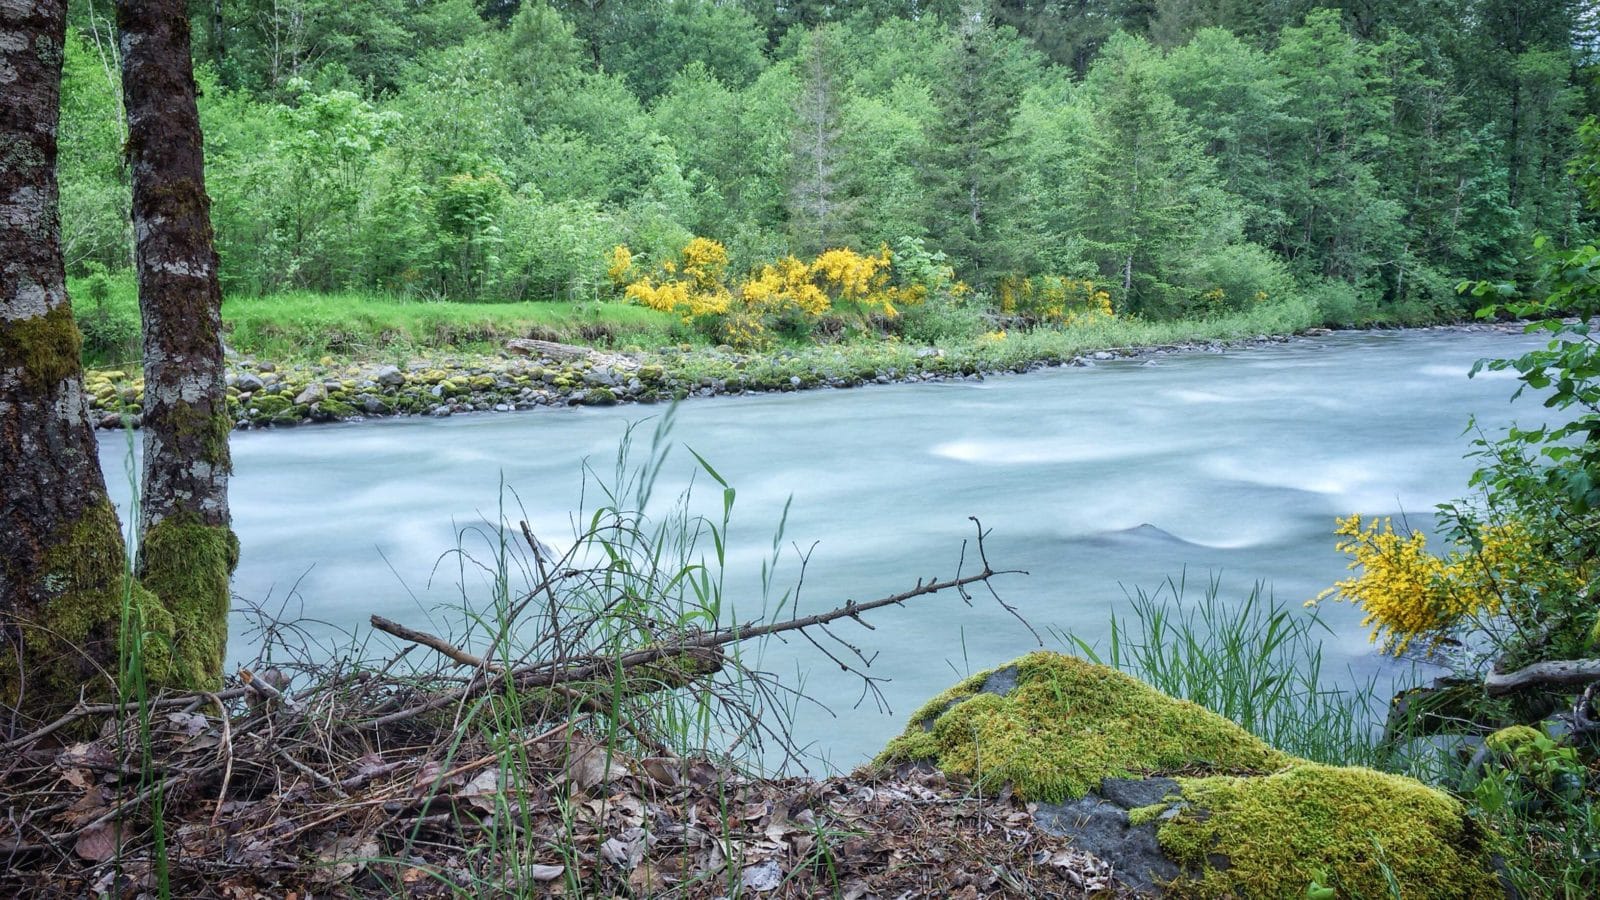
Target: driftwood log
1551,673
568,352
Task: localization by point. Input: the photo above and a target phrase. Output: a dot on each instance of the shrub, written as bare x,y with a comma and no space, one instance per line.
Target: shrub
107,310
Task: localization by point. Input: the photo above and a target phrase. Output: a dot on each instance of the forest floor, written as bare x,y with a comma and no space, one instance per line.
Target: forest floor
239,795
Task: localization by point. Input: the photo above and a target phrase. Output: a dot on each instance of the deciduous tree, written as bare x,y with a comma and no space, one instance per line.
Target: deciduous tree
187,549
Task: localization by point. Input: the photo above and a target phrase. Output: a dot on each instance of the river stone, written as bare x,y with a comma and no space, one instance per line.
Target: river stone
1089,746
315,392
1098,823
249,383
389,376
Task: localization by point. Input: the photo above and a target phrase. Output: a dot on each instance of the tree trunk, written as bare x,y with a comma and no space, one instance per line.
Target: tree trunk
187,550
62,569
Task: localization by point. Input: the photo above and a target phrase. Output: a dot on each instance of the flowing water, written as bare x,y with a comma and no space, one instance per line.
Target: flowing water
1094,480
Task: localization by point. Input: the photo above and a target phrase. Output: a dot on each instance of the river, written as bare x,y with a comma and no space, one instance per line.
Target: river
1094,480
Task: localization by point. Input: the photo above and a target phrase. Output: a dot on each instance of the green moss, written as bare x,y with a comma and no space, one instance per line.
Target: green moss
337,409
1507,740
1068,724
1270,836
72,645
597,397
188,565
1144,815
47,348
270,404
210,429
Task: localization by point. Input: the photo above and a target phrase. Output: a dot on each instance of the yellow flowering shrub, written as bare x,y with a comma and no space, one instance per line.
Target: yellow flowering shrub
705,262
787,290
1054,299
620,265
1409,593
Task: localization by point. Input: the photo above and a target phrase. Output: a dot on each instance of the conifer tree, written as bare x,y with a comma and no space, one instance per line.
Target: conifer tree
970,173
822,202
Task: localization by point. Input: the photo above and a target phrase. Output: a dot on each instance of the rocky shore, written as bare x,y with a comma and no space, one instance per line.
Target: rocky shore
268,394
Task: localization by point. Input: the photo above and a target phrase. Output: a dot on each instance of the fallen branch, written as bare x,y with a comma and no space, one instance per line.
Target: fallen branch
1552,673
593,668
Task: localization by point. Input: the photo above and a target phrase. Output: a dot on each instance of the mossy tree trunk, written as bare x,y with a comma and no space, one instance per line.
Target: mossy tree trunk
61,551
187,548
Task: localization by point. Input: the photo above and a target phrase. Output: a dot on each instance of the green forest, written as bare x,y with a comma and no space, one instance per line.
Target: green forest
1163,158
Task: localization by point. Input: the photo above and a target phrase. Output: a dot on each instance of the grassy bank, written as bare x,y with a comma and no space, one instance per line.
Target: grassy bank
365,327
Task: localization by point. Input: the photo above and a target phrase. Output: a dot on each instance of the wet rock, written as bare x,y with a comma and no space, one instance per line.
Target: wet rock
1098,823
315,392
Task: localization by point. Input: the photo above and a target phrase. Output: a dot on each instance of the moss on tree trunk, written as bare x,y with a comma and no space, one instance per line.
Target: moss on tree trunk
187,550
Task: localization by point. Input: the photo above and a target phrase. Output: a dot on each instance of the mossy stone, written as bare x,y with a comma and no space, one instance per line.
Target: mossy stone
337,409
270,404
1273,835
1246,820
1066,725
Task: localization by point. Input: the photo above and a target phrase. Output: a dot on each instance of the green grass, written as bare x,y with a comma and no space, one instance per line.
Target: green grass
1257,661
304,324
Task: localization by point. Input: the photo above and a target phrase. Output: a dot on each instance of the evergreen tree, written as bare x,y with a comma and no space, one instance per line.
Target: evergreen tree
1338,221
822,203
1149,193
970,173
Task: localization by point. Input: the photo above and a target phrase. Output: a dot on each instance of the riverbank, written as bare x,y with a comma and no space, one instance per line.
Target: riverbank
534,374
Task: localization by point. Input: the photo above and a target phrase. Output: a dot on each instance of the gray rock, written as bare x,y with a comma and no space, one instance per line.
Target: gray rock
314,393
1103,355
249,383
1098,823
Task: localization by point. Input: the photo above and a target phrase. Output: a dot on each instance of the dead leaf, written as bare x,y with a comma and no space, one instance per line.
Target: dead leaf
344,857
99,843
188,724
663,770
200,742
92,805
542,872
625,850
78,778
648,880
592,764
762,877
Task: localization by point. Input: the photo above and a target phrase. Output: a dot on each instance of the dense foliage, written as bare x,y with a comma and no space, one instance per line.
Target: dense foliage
1184,157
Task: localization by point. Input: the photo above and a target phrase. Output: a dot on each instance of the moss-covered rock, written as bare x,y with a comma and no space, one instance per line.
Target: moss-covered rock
269,405
1054,726
335,409
1345,827
1235,817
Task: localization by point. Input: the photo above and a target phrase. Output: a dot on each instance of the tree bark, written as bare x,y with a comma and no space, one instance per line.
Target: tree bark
187,548
61,551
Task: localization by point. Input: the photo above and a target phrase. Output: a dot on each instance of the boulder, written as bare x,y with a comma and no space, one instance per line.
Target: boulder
315,392
1183,801
389,376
